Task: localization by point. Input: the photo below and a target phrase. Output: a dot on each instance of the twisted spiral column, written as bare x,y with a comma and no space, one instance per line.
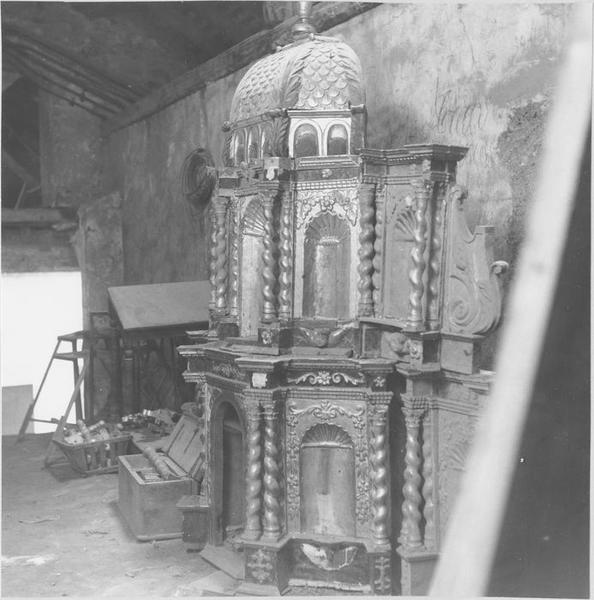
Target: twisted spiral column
428,485
271,473
286,259
435,264
415,276
366,197
379,491
253,526
234,288
213,257
410,536
221,256
268,270
378,248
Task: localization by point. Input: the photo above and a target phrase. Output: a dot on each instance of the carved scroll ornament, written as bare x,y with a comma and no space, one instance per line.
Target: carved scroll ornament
473,286
342,203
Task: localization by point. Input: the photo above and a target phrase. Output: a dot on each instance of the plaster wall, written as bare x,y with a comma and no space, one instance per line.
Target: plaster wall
479,75
70,151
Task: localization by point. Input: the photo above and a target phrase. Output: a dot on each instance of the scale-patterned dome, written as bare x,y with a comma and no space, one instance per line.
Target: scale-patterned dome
321,73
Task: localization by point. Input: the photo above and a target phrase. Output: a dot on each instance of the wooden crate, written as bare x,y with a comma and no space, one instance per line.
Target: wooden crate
93,458
147,502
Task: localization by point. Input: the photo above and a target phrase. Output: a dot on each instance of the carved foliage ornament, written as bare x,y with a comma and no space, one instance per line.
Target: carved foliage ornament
342,203
327,378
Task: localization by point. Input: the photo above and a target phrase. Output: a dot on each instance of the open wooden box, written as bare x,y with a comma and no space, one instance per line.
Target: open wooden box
148,501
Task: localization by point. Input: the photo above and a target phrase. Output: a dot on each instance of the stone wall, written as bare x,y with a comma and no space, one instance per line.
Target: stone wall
479,75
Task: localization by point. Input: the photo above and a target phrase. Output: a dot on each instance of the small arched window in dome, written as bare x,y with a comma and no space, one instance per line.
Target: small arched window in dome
306,141
252,144
266,142
338,139
239,147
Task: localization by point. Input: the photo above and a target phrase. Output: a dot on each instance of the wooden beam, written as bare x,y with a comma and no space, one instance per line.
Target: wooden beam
35,217
325,15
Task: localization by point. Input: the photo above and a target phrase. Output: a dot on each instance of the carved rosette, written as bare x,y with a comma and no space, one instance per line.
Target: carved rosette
253,527
272,490
410,536
222,275
435,260
286,259
366,198
415,276
379,455
235,234
473,289
378,248
268,259
428,483
213,256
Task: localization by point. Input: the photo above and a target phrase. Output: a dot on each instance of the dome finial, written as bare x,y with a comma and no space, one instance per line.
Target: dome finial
303,27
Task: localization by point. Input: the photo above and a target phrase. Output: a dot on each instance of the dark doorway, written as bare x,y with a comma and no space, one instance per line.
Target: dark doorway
233,506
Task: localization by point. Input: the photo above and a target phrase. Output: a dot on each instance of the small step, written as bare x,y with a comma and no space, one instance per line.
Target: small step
224,559
71,355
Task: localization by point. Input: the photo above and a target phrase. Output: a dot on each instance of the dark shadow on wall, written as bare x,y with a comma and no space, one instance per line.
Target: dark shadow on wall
544,546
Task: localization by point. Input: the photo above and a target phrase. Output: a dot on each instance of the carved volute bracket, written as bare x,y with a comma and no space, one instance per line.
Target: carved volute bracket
473,295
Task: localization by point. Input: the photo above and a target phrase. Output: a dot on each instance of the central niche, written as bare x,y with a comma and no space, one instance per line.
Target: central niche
326,268
327,467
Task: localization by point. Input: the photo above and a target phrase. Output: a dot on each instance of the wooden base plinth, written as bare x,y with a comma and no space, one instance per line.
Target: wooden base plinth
416,571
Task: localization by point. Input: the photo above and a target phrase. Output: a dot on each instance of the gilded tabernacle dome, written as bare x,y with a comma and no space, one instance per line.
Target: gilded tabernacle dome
315,82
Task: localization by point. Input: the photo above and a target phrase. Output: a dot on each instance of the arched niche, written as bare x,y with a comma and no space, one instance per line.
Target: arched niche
306,141
250,272
326,273
327,485
228,451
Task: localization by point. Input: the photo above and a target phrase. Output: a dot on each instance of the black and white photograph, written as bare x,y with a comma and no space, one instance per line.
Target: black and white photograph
295,298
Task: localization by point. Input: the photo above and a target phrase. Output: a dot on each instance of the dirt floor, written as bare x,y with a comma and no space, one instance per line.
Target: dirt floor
62,535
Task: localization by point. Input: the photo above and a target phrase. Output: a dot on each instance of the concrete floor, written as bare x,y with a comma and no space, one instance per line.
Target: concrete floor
62,535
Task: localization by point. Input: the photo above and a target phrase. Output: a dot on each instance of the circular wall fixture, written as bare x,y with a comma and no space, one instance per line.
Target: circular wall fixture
199,177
